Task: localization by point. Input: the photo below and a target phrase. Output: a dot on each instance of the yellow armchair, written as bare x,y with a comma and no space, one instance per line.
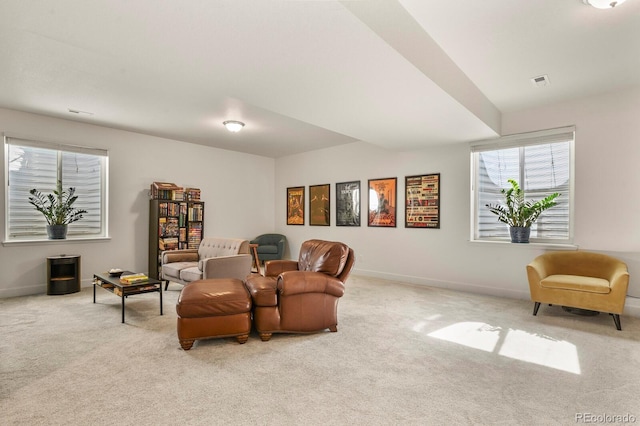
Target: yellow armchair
579,279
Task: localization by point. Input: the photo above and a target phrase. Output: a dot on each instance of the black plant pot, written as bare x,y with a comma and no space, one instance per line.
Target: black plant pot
57,232
519,234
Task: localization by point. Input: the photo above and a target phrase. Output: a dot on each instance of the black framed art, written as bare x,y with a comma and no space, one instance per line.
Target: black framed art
422,201
295,205
348,203
382,202
319,205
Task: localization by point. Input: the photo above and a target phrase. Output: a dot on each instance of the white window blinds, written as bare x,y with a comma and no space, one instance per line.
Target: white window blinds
35,164
541,163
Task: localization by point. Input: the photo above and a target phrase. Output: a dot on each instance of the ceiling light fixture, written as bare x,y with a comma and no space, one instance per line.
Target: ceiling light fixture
233,126
603,4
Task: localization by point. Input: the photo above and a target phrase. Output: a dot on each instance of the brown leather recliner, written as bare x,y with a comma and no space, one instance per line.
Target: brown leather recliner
302,296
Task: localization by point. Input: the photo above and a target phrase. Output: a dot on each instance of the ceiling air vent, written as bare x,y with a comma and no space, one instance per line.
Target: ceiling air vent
541,81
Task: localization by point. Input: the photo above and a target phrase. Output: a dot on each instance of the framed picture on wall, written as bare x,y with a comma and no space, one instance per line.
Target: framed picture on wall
295,205
319,205
382,202
348,203
422,201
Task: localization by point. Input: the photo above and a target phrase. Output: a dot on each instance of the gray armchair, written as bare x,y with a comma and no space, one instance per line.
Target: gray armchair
270,246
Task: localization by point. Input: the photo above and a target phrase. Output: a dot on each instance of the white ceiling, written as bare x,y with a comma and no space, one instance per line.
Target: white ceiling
306,75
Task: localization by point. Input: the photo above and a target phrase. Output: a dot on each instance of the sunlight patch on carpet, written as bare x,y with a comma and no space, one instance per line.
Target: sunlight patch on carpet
541,350
515,344
477,335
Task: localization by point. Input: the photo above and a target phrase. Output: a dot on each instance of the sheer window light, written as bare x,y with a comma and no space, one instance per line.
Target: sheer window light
542,163
35,164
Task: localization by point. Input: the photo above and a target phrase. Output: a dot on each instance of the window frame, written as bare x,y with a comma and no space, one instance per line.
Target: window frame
60,148
518,141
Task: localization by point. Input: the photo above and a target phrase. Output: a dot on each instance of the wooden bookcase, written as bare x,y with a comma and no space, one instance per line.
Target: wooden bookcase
173,225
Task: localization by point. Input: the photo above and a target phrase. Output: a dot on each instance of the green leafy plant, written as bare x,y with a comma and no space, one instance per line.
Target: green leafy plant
57,208
518,212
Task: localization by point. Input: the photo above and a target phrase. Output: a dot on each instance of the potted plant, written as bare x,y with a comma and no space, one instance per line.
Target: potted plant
518,213
57,209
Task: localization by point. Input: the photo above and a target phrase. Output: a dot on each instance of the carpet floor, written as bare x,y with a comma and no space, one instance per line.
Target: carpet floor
403,355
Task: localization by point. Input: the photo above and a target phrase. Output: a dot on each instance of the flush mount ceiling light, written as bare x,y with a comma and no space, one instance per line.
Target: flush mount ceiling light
233,126
603,4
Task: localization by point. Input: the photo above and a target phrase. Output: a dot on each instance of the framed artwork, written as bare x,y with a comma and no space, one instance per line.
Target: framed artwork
295,205
422,201
382,202
319,205
348,203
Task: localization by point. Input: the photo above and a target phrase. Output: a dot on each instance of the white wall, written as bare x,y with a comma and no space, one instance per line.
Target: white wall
238,190
607,208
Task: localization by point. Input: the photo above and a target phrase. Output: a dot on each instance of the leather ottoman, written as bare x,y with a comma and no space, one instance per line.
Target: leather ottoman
211,308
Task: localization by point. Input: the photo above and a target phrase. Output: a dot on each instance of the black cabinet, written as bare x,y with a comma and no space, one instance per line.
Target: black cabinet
63,274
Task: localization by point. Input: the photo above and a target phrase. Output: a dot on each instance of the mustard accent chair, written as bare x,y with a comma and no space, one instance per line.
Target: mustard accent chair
579,279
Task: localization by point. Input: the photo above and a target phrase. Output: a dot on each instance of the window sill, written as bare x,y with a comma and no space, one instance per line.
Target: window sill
47,241
536,246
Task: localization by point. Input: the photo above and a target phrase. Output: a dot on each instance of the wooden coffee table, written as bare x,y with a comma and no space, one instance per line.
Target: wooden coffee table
113,284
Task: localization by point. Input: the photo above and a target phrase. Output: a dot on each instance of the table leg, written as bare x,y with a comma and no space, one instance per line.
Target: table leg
160,286
94,290
123,307
256,261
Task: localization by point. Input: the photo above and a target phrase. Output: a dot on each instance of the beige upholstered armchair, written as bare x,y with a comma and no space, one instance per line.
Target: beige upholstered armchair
301,296
214,258
579,279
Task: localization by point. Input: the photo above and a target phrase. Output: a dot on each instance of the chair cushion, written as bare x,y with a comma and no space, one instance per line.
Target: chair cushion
191,274
173,269
576,282
327,257
215,297
267,249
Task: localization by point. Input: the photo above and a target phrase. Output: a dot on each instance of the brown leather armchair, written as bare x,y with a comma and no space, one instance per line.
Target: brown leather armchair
301,296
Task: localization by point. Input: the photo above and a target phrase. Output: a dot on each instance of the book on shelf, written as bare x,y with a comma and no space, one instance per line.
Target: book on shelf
192,194
172,228
177,194
164,190
170,243
195,212
162,226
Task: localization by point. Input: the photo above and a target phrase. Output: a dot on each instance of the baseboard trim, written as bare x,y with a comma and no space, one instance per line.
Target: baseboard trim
31,290
631,307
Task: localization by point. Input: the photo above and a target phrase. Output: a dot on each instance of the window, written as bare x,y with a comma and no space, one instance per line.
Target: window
34,164
542,163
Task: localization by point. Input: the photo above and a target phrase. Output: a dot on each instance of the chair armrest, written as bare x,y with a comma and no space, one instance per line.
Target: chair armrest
236,266
299,282
619,277
187,255
536,271
262,290
273,268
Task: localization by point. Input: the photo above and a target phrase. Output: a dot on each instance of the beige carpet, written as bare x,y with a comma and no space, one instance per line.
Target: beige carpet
402,355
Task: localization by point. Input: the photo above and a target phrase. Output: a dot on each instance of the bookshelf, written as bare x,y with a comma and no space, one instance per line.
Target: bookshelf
173,225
